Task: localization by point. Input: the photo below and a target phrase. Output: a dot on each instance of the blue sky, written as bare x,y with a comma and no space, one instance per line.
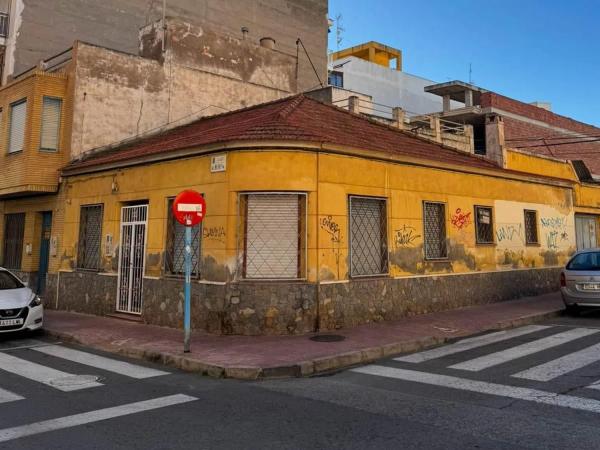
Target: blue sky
528,50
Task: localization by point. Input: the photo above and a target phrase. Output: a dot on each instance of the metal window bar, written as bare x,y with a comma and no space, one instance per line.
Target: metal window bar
531,232
484,228
175,248
434,225
90,237
4,21
14,231
368,236
272,242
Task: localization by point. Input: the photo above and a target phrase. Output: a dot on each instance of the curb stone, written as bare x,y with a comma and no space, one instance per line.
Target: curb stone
318,366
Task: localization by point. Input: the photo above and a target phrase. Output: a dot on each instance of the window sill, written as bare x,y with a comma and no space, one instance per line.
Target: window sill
533,244
18,152
485,244
272,280
80,269
48,150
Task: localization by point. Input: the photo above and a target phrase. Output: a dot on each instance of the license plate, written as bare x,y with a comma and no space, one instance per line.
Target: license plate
11,322
591,286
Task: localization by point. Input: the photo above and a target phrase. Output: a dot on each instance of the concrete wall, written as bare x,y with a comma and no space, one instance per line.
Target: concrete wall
42,28
390,87
119,96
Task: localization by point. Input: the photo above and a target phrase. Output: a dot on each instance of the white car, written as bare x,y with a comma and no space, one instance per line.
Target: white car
20,307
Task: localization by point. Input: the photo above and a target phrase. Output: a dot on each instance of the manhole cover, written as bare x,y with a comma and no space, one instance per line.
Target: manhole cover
327,338
74,381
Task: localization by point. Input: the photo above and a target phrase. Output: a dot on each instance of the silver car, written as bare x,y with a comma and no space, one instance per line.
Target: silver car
20,307
580,280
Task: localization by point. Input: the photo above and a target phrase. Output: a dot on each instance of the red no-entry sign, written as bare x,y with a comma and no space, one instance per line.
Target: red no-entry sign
189,208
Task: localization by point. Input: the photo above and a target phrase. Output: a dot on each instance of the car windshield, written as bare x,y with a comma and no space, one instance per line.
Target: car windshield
9,281
585,261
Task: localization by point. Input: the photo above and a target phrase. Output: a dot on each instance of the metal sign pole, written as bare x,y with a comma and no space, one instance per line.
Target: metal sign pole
188,276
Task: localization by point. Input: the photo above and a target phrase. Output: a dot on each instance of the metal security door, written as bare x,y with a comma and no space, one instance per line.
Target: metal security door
585,232
132,258
44,252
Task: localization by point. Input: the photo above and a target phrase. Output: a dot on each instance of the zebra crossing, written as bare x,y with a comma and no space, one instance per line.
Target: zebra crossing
14,360
543,354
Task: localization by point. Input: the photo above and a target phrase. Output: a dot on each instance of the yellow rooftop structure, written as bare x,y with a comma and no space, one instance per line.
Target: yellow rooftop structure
374,52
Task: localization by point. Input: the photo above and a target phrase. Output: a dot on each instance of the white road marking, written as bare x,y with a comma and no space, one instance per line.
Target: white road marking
43,374
21,344
482,387
89,359
8,434
470,343
563,365
7,396
494,359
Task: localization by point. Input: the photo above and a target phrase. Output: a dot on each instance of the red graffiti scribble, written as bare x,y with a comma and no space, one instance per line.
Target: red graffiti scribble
460,220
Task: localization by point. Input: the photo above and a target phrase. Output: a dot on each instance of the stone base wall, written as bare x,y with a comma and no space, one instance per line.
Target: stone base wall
373,300
264,308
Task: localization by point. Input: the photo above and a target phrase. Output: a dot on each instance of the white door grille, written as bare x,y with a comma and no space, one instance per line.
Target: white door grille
585,232
272,238
132,258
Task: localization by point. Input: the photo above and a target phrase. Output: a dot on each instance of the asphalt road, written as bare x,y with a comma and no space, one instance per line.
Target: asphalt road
523,388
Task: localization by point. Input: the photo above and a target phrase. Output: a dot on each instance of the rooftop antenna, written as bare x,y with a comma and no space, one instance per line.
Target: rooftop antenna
470,73
339,30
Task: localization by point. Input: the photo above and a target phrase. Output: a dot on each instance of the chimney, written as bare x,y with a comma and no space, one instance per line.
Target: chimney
495,149
398,117
353,104
245,32
268,42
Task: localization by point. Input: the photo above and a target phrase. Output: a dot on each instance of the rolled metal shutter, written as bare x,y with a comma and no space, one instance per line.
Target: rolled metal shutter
18,117
272,236
50,123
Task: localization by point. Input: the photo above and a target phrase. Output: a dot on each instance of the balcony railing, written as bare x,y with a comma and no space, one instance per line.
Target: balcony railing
3,25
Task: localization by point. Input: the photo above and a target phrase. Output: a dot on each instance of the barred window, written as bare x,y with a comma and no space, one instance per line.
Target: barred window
531,231
175,248
274,230
434,225
484,228
368,236
90,236
49,135
14,230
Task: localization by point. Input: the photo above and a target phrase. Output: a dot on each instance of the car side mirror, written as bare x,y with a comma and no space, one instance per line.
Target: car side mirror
26,284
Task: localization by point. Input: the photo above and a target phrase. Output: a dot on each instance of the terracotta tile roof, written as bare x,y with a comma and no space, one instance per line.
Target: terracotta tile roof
296,118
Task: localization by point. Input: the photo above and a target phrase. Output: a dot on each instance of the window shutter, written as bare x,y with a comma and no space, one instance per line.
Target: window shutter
272,236
18,116
50,123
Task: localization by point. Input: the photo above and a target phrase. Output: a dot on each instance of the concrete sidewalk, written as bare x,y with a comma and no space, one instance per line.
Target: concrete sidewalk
253,357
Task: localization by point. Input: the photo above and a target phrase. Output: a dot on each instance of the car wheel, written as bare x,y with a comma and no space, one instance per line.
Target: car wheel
572,310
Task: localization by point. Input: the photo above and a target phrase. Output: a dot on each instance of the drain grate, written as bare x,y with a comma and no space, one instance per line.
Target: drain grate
327,338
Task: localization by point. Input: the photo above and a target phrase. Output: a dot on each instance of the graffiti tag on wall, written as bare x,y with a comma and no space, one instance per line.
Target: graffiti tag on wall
553,222
217,233
460,220
405,236
557,231
332,228
510,232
